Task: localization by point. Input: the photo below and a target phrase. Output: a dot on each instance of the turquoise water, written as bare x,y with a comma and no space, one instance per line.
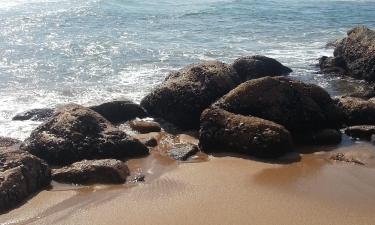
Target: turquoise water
89,51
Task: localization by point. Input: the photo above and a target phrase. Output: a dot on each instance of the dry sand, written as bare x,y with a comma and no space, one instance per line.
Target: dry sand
223,190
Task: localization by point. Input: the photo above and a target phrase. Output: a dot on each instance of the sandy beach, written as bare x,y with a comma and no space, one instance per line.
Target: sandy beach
301,189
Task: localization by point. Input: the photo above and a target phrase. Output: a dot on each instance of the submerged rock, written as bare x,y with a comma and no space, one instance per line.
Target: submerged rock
357,111
144,127
361,131
75,133
183,95
357,53
120,111
346,157
35,114
225,131
7,142
104,171
251,67
182,151
21,174
297,106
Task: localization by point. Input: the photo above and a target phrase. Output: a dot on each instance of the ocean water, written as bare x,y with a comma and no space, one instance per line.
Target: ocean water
89,51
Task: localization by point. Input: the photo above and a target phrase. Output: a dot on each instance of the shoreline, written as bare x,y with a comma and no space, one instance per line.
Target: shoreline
223,190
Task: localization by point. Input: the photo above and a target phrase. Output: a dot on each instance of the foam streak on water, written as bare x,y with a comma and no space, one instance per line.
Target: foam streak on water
53,52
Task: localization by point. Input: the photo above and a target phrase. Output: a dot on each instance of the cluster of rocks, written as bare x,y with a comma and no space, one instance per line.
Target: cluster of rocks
354,55
247,107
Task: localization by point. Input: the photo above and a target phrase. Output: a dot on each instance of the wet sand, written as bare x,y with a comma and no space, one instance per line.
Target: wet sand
302,189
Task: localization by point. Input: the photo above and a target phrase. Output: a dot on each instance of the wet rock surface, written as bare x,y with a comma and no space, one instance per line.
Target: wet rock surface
295,105
252,67
361,131
183,151
21,175
7,142
184,94
144,127
225,131
357,111
335,65
35,114
104,171
120,111
355,54
75,133
346,157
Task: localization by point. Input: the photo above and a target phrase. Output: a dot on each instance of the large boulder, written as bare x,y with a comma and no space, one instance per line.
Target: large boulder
75,133
21,174
183,95
225,131
251,67
35,114
298,106
357,111
357,51
120,110
103,171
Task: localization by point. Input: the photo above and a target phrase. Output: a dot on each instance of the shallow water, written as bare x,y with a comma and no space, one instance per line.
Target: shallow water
53,52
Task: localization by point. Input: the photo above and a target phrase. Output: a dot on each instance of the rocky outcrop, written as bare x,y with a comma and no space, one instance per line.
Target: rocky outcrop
252,67
104,171
225,131
183,95
144,127
7,142
299,107
334,65
21,174
75,133
182,151
35,114
355,54
361,131
357,111
120,111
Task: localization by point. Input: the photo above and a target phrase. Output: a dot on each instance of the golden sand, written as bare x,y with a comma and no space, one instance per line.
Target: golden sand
309,189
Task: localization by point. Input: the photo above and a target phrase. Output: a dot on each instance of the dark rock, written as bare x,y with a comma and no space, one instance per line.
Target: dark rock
336,65
357,50
182,151
75,133
7,142
365,95
35,114
361,131
21,174
104,171
357,111
297,106
225,131
151,142
182,97
322,137
120,111
251,67
144,127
